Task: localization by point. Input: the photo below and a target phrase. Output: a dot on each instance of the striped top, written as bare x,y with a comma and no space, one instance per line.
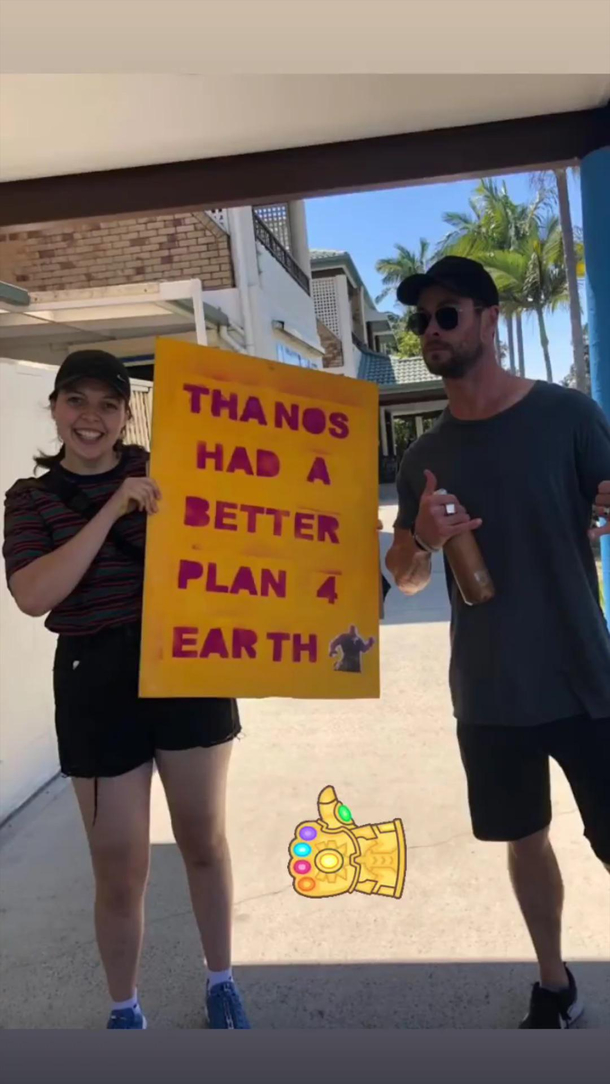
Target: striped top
37,522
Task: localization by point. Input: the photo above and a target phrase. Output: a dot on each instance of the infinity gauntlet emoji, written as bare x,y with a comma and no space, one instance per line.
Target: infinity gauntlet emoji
332,855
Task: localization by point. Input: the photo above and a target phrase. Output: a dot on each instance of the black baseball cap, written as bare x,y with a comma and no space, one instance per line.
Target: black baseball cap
467,278
94,365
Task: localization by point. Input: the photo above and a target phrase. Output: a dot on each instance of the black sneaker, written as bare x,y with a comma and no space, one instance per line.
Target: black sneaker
550,1010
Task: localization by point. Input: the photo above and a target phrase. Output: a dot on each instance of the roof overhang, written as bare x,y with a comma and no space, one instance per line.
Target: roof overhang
120,312
94,145
342,261
425,387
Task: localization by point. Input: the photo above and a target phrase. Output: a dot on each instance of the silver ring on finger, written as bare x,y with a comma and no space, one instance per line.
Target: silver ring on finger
450,509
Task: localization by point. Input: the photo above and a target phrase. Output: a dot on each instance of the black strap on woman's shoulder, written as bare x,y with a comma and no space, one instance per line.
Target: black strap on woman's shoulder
71,494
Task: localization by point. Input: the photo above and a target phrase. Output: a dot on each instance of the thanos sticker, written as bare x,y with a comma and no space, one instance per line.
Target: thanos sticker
333,855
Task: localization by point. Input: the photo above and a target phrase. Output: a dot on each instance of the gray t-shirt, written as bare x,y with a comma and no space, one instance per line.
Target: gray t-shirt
540,650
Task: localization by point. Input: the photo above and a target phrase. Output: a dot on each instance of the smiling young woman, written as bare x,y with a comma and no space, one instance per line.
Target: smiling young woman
74,551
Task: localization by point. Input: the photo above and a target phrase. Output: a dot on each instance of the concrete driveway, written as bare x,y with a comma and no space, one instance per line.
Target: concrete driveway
452,953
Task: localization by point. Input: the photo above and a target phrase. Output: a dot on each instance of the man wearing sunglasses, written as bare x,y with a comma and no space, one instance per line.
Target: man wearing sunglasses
523,463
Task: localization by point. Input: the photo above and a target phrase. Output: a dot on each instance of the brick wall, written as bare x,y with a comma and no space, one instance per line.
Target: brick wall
66,256
331,345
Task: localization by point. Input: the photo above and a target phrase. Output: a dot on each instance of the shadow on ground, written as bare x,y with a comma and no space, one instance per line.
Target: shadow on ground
59,982
408,995
422,995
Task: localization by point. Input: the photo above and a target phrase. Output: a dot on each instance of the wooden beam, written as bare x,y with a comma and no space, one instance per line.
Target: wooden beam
302,172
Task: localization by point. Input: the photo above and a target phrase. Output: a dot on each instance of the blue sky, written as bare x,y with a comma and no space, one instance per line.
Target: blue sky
368,224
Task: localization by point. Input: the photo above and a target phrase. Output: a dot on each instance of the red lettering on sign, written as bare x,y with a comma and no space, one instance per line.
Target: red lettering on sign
339,426
267,464
278,639
224,510
288,415
214,644
212,583
203,454
270,582
224,403
188,570
244,581
327,528
323,527
304,521
197,512
244,640
252,511
278,515
240,460
328,590
182,639
196,391
314,420
300,647
253,411
319,471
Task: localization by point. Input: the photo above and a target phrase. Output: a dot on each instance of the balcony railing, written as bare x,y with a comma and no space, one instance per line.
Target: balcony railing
269,241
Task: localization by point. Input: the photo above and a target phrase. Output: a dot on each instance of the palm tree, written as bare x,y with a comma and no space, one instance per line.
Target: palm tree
534,274
394,269
495,224
520,350
560,196
569,381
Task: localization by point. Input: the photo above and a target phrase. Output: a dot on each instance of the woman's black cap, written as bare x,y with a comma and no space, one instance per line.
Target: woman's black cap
94,365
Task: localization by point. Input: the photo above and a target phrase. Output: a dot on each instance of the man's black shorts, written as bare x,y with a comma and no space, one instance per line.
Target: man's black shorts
104,728
507,770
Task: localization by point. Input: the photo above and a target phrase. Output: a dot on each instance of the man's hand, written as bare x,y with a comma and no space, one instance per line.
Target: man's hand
434,526
602,509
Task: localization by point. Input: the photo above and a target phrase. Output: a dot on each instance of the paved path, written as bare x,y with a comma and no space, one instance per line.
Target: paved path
452,953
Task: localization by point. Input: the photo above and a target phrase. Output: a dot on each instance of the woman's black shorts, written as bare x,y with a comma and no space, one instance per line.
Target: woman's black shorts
104,728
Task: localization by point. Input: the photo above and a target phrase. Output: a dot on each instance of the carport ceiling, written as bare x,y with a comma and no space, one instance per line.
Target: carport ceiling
53,125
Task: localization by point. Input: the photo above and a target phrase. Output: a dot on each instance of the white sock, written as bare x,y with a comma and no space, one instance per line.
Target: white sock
215,977
132,1003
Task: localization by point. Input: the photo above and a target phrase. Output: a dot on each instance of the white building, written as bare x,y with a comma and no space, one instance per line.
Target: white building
238,279
344,306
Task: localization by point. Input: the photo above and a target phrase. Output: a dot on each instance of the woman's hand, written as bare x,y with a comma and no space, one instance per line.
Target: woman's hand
136,494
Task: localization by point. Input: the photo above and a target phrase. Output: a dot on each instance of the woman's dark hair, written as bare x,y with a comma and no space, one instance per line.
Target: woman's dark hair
47,462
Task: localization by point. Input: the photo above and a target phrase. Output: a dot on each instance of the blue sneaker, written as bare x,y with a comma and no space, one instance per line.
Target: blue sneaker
130,1019
225,1007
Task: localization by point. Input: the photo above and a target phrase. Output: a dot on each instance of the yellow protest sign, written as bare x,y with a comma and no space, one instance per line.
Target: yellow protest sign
262,566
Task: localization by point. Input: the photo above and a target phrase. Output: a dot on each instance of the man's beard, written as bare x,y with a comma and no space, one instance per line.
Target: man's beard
456,363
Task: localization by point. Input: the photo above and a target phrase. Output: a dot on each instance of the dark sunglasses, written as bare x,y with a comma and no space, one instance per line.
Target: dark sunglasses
447,318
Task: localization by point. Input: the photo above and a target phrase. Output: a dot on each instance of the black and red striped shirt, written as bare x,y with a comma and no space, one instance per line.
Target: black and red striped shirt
36,522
